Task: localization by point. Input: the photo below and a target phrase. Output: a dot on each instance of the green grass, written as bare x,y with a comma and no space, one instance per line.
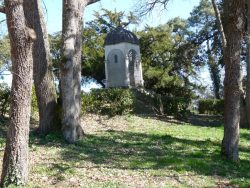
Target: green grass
136,151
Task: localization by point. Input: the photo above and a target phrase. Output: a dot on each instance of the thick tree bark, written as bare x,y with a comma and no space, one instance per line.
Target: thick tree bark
43,75
247,125
15,162
234,26
71,67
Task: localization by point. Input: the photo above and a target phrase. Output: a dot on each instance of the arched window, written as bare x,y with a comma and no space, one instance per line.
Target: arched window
116,59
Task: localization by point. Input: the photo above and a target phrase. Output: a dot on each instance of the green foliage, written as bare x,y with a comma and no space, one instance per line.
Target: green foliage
109,102
4,99
122,101
211,106
55,50
207,40
109,20
176,106
171,106
167,58
93,55
4,50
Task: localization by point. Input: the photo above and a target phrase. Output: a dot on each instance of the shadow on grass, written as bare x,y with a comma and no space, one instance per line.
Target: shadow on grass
164,118
245,136
205,120
137,151
140,151
194,119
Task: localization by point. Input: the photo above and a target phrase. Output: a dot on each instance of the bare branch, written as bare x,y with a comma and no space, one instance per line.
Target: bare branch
92,2
2,9
147,6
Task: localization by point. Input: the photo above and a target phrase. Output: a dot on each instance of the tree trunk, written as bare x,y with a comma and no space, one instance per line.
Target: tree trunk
247,125
71,67
43,75
234,26
15,162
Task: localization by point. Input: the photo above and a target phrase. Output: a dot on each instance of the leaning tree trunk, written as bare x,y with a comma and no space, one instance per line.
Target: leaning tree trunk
43,75
234,26
219,23
15,162
247,125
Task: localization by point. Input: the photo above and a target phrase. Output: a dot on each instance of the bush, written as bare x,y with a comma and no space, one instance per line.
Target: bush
4,99
176,106
108,101
211,106
122,101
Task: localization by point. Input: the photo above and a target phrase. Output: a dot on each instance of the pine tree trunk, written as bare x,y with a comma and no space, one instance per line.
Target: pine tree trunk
247,125
234,26
43,75
15,162
71,69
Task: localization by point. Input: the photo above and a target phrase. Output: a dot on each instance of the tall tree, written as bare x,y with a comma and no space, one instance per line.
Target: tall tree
233,27
15,162
43,75
248,67
71,67
167,58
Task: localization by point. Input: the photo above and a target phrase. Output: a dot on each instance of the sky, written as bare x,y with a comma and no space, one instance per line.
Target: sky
53,17
181,8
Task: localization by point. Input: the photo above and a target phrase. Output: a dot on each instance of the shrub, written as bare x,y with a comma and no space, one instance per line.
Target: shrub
4,99
176,106
108,101
211,106
122,101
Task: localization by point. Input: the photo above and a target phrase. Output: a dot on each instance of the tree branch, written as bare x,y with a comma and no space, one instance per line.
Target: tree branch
91,2
2,9
147,6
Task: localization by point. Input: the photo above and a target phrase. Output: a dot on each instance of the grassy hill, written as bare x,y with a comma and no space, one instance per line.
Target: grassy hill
134,151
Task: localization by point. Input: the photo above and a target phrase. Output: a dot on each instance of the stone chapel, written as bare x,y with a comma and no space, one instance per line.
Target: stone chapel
122,59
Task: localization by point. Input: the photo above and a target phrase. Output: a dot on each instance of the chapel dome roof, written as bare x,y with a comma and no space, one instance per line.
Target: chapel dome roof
120,35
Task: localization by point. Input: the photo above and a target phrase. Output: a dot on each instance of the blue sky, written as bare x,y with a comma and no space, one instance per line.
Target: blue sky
53,12
175,8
